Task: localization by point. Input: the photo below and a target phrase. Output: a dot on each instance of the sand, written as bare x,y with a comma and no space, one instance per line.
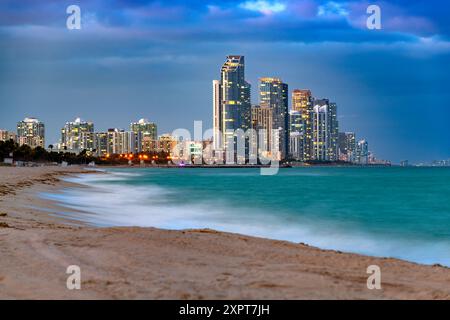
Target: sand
146,263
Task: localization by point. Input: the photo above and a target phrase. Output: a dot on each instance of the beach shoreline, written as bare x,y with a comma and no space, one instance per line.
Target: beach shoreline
149,263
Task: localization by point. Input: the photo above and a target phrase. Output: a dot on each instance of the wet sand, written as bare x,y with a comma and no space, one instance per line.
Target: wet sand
147,263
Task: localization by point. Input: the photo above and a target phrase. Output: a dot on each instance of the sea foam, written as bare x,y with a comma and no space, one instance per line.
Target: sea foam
108,201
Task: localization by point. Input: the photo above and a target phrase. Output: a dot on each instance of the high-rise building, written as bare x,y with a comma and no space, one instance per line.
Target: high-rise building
101,145
147,128
166,143
362,152
302,102
296,151
347,146
86,141
31,132
7,135
147,133
333,152
296,136
149,145
217,115
78,135
321,133
262,122
274,94
325,130
116,141
232,107
296,123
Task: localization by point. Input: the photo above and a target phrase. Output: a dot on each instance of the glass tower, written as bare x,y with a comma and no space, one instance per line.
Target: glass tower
231,100
302,102
325,131
274,94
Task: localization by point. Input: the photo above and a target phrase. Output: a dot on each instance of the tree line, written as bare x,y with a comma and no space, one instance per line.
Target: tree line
27,154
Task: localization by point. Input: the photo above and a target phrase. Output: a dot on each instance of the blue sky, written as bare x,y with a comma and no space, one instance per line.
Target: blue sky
156,59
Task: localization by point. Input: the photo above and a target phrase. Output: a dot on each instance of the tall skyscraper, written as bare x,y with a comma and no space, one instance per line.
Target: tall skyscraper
296,123
285,110
127,142
362,152
217,115
274,94
78,135
347,146
296,151
146,133
101,145
232,107
320,132
296,136
87,141
262,119
333,152
116,141
325,130
302,101
31,132
147,128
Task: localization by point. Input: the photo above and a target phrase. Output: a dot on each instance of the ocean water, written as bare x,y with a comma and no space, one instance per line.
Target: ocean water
393,212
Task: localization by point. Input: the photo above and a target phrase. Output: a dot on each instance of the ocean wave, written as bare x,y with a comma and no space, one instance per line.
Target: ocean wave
104,205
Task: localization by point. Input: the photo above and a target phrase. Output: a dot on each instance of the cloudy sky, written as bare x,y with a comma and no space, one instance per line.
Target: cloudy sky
156,59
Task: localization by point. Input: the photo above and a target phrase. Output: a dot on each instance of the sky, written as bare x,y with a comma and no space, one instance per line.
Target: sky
157,60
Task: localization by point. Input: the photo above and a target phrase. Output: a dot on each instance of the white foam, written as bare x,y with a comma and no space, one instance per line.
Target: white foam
105,204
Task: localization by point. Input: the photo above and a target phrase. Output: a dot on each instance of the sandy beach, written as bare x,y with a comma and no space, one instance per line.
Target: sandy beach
147,263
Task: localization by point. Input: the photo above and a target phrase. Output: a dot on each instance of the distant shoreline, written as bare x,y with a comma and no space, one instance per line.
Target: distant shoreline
286,166
209,166
203,166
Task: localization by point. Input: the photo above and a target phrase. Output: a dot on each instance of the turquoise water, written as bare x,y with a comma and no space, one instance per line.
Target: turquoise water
398,212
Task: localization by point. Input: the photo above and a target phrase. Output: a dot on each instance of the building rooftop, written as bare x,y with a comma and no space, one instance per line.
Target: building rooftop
31,120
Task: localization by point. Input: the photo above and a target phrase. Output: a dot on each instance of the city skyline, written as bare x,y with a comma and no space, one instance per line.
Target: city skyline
120,65
309,124
80,136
